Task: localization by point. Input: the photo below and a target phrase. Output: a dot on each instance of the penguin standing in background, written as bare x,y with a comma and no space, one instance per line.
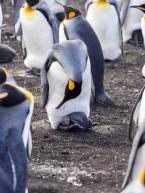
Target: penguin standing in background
138,114
16,107
5,76
107,30
75,26
40,31
130,19
66,86
136,164
142,8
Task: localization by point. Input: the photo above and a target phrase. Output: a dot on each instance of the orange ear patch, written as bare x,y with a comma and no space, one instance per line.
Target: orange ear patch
72,14
71,85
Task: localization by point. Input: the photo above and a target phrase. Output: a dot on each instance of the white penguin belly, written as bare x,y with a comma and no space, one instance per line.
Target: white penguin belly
38,38
143,28
62,36
1,18
104,21
139,162
133,20
141,118
58,80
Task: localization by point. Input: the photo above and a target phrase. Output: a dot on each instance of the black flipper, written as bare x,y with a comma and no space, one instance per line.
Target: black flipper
44,9
138,140
133,125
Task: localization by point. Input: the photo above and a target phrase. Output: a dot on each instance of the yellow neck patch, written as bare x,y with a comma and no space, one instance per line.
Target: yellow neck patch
142,177
5,71
101,3
71,15
71,85
28,95
28,10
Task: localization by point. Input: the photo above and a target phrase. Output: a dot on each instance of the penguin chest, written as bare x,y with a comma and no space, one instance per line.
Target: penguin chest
58,79
143,27
62,36
104,21
38,37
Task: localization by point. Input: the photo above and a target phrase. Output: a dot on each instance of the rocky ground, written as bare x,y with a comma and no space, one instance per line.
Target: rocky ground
74,162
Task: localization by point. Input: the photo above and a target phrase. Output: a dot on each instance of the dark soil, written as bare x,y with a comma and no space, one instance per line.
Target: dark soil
75,162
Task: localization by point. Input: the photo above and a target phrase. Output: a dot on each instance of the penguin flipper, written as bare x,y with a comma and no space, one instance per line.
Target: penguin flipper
44,9
44,80
132,157
134,115
87,4
124,10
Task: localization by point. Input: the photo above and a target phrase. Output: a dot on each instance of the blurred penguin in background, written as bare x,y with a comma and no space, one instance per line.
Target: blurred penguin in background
134,180
75,26
16,108
40,31
131,22
66,86
104,18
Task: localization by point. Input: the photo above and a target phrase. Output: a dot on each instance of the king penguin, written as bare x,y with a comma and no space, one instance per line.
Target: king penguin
16,108
142,8
6,76
108,30
75,26
130,19
136,160
138,114
40,31
66,85
1,19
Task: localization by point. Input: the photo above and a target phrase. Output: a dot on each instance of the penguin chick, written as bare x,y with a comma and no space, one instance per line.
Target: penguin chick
40,31
138,114
109,33
137,185
16,108
136,162
66,86
75,26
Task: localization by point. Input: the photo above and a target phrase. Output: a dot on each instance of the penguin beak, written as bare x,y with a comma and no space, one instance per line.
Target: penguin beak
72,91
138,7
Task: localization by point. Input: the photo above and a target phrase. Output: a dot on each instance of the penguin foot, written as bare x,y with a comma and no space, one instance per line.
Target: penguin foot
104,100
34,72
75,121
6,53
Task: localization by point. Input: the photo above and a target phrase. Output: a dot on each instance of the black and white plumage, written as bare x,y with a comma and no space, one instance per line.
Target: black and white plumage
66,85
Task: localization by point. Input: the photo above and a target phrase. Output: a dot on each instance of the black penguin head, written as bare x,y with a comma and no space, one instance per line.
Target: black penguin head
3,75
32,3
71,12
12,95
72,90
140,7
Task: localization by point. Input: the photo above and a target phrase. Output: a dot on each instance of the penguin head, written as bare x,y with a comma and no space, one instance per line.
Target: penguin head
12,95
142,177
3,75
72,90
71,12
32,3
140,7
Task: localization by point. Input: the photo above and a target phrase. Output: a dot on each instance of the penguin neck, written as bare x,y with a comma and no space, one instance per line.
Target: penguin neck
28,10
101,3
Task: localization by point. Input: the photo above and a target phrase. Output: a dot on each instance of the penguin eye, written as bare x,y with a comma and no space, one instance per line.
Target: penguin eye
71,85
72,14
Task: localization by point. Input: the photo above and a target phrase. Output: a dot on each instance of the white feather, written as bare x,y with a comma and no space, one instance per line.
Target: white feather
104,21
